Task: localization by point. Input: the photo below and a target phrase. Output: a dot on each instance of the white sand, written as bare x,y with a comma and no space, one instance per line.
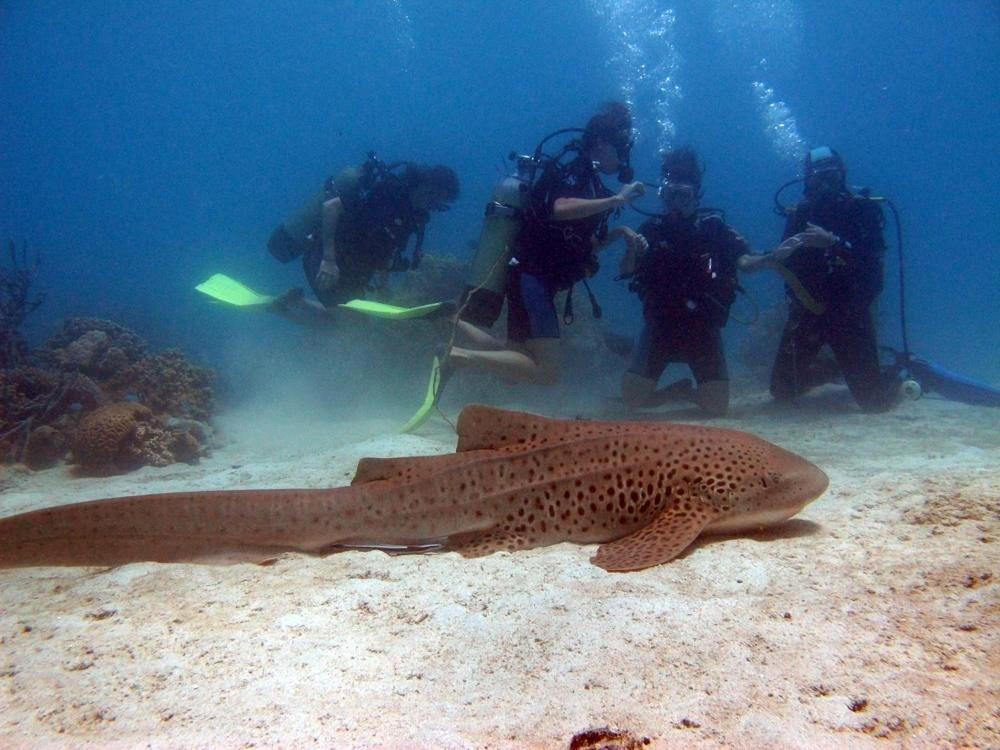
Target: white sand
870,622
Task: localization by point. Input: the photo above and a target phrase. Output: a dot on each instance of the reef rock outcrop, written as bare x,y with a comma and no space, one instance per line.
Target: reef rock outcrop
123,436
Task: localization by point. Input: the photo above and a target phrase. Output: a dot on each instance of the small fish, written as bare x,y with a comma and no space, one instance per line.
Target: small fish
643,491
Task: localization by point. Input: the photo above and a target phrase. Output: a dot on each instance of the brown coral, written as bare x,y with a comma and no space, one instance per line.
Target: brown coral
105,440
124,436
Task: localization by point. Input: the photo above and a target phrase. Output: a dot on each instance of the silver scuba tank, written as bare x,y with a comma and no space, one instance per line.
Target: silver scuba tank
502,221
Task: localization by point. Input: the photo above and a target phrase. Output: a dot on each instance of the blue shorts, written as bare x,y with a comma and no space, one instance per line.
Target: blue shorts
531,308
699,347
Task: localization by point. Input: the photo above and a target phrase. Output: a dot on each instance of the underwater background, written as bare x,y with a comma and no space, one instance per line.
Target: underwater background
146,145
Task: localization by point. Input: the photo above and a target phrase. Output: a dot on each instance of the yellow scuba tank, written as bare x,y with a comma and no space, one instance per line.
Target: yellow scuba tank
484,293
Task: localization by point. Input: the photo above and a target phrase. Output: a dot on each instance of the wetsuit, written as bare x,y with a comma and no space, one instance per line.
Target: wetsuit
687,282
846,279
553,255
373,230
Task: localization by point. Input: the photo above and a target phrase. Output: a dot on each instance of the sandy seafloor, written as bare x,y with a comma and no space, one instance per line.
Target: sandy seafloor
871,622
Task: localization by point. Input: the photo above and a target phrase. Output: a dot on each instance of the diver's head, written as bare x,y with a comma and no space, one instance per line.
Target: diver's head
824,174
431,188
607,140
681,187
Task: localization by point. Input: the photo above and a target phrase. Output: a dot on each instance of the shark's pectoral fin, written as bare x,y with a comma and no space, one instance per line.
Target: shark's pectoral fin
661,541
482,543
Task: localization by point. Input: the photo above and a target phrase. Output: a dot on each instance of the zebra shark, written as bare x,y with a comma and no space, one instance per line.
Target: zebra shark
643,491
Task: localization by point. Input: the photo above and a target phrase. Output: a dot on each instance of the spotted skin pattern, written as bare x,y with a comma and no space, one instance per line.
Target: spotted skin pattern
644,491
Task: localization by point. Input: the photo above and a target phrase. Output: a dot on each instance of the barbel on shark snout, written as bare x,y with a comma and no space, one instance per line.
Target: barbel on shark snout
643,491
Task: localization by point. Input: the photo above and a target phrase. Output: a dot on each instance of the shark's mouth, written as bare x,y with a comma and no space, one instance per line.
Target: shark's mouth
753,521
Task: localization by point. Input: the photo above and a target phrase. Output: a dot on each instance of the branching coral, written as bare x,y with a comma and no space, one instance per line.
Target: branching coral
17,302
33,397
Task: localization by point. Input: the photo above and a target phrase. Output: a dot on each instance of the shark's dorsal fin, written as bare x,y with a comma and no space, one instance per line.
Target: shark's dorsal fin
408,469
669,534
485,428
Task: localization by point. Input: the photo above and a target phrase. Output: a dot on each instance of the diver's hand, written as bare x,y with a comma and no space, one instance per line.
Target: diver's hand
816,236
634,242
630,192
328,274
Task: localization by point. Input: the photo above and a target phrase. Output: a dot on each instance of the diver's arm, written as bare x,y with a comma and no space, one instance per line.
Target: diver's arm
812,237
333,209
628,263
569,209
754,263
329,272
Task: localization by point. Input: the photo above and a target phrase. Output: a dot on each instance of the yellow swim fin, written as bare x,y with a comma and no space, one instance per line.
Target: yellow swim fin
394,312
424,412
229,290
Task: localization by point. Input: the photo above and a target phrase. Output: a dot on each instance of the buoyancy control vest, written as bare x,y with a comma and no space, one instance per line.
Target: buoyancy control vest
376,225
849,275
561,253
518,230
688,274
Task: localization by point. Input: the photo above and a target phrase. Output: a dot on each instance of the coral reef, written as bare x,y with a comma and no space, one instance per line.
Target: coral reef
125,435
168,384
104,438
97,348
33,397
162,402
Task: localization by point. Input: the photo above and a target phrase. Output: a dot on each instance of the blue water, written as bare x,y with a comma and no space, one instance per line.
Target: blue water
145,145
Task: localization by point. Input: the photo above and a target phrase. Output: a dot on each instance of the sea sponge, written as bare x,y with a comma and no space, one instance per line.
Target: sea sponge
105,438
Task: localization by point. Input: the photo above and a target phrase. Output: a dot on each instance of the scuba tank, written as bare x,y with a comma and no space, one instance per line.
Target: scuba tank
484,293
482,300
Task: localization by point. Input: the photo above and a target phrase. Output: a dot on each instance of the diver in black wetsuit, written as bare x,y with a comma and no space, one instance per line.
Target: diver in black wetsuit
832,247
357,228
564,225
687,283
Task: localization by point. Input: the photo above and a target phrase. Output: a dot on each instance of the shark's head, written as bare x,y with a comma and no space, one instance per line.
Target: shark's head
768,485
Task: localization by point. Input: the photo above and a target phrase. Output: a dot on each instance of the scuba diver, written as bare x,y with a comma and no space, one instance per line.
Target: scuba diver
831,258
687,282
356,228
548,241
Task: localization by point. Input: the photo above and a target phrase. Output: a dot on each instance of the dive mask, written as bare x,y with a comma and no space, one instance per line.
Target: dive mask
824,171
824,181
680,197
